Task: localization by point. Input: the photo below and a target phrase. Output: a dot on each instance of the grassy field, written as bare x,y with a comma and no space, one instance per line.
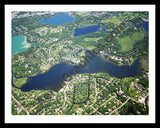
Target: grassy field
113,20
90,47
92,39
137,36
18,82
81,12
126,43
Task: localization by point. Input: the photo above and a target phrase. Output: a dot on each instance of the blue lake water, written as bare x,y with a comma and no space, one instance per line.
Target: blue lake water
145,26
59,19
86,30
19,44
53,76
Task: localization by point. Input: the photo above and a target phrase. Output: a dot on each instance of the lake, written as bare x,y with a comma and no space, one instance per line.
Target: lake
49,79
19,44
59,19
86,30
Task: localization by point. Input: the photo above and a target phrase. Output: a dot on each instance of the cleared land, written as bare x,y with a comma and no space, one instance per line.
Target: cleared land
145,62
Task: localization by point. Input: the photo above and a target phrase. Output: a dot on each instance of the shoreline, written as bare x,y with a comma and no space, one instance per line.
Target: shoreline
56,64
69,63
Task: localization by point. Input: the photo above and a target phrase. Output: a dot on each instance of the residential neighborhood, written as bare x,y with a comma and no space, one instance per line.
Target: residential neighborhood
105,97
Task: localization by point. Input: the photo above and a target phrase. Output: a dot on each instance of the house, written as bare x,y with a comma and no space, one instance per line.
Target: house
137,79
132,89
109,110
106,112
141,99
132,84
120,92
114,107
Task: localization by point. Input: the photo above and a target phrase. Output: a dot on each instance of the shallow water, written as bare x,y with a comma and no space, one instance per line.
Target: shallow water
19,44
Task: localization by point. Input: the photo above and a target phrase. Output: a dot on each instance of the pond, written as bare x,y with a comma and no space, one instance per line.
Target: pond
86,30
130,111
19,44
59,19
49,79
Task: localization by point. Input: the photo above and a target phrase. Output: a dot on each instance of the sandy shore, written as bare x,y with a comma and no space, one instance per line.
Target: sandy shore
26,45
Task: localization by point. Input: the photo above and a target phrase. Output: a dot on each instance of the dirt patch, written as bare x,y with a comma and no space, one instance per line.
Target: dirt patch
145,62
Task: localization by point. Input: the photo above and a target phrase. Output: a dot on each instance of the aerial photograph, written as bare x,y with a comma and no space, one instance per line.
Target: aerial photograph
80,63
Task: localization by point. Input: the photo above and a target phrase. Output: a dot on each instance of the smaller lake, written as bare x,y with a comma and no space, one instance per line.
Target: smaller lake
86,30
145,26
19,44
59,19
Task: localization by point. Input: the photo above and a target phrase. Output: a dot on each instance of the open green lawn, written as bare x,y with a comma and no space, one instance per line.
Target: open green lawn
137,36
81,12
18,82
126,44
113,20
91,47
92,39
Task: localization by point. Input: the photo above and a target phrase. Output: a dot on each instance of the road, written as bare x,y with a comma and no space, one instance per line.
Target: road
20,105
119,106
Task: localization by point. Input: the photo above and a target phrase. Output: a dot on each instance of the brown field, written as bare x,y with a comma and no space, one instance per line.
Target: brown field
145,62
